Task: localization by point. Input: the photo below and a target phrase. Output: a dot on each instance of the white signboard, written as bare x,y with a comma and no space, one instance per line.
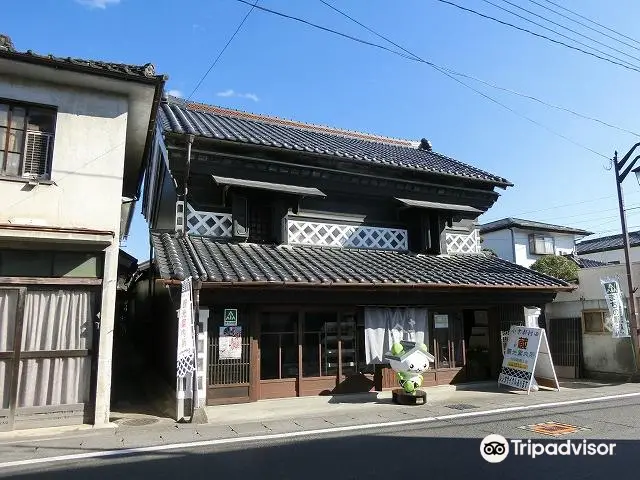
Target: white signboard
186,342
440,321
230,343
613,296
527,360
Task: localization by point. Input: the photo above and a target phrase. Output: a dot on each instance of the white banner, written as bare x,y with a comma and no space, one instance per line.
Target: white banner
186,341
230,343
613,296
526,357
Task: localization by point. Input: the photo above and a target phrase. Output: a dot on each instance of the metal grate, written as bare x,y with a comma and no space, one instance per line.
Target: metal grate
137,422
335,235
36,157
564,342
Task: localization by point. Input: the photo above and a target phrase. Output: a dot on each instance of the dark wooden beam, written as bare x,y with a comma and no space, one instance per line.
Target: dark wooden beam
49,281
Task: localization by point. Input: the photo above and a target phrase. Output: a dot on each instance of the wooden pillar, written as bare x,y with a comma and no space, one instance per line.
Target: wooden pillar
254,355
300,320
495,344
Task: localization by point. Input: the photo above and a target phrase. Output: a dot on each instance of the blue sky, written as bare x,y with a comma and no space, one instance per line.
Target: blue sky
278,67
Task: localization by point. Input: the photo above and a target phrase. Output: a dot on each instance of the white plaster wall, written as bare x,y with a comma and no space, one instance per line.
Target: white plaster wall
500,242
601,352
614,255
87,164
563,244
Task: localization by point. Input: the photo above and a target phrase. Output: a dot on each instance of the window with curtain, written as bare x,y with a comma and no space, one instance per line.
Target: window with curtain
8,309
56,322
541,244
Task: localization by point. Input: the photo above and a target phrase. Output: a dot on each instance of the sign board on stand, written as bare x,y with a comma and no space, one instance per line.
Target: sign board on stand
527,360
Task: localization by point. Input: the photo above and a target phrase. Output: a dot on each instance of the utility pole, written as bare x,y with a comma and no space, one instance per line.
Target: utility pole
620,176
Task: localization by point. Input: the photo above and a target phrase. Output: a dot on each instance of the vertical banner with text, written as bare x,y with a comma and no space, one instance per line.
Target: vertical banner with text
613,296
186,341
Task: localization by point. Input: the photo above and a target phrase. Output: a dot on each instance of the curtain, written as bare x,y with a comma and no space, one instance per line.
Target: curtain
385,326
56,320
8,308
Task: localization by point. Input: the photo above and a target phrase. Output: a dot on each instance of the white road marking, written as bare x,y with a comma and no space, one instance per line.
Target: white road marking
307,433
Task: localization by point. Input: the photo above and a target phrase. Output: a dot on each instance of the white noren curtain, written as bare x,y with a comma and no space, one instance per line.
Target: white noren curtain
385,326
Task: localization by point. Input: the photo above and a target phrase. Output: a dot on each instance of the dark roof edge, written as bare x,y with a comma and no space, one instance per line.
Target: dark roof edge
488,227
222,141
261,284
58,64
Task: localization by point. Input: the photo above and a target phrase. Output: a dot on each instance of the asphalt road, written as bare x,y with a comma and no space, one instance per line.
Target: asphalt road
433,451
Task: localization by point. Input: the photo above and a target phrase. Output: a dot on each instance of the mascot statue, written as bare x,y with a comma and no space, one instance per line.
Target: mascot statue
409,360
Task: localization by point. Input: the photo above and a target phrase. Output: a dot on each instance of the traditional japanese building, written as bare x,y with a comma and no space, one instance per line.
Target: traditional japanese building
322,245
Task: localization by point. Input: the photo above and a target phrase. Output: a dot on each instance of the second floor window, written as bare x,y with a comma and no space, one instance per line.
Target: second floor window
26,140
541,244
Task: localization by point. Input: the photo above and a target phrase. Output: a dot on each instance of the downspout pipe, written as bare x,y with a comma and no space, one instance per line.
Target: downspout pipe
185,189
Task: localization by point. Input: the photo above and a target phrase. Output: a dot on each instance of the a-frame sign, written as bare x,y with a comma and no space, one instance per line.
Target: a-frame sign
526,357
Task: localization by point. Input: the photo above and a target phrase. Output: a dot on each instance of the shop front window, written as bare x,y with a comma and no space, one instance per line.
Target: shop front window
448,340
279,346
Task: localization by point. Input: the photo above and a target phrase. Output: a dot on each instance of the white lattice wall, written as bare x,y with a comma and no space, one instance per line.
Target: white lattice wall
463,242
335,235
208,224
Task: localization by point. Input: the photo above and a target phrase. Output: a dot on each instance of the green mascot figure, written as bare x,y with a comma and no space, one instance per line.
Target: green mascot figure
409,360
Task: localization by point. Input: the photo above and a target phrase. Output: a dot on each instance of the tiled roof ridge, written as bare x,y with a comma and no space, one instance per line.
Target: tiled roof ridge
615,236
218,110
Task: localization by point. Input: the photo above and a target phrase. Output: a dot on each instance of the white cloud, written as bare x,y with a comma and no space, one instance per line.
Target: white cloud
175,93
233,93
102,4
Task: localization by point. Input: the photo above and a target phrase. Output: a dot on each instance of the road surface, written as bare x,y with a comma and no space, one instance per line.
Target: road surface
440,450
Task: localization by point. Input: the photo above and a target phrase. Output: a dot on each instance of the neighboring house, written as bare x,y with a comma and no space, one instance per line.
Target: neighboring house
610,249
580,334
525,241
74,135
321,244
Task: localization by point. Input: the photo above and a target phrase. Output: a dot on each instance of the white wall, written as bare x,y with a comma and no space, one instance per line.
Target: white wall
563,243
601,352
88,159
500,242
614,255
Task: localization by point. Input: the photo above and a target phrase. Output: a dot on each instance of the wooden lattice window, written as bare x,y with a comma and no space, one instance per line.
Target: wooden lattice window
260,227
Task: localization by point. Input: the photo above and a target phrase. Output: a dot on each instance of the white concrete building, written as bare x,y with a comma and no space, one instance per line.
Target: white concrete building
601,354
74,139
525,241
609,249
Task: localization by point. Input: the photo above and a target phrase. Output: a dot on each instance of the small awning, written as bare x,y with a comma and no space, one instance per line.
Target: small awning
438,206
278,187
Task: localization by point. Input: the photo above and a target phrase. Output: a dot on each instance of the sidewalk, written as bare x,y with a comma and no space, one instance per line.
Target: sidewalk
290,415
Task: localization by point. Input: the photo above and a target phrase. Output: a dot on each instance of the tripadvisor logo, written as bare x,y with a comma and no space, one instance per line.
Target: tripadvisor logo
495,448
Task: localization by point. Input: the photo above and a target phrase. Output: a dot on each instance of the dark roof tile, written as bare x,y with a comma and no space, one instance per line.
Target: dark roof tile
179,116
529,225
610,242
224,261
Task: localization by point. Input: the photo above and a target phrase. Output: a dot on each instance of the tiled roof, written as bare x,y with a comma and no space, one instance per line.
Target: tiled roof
585,262
244,263
611,242
529,225
220,123
144,72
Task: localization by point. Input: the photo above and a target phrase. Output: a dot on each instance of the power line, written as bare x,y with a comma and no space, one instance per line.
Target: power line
444,72
592,21
488,17
412,57
554,207
560,34
569,29
224,48
583,24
